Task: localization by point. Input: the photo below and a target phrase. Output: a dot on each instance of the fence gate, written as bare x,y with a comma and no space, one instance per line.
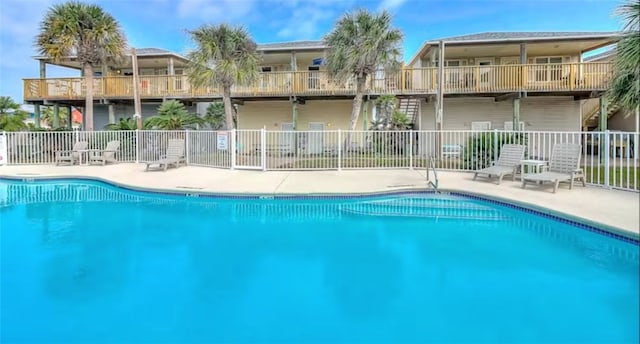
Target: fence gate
250,149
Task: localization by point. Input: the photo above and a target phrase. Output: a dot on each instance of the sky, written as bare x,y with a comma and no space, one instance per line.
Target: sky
163,23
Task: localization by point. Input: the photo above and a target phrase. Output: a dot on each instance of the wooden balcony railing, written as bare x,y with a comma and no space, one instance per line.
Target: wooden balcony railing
457,80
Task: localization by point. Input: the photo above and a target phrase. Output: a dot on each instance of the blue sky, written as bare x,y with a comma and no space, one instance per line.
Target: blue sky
162,23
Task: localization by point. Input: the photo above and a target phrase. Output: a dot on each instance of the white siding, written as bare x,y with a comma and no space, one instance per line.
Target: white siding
101,113
538,113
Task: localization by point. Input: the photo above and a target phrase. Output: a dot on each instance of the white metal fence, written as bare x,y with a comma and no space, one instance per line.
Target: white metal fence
608,158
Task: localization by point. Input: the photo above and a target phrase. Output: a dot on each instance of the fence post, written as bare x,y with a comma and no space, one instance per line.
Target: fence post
4,149
339,149
137,146
232,147
495,144
410,150
186,143
607,149
263,148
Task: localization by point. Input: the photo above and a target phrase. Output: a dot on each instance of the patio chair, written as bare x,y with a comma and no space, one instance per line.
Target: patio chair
508,163
108,154
564,166
73,155
174,156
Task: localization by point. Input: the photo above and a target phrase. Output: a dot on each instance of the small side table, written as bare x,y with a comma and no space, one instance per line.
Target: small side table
83,153
536,164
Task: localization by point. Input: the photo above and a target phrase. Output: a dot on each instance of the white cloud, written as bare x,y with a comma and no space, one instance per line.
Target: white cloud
390,4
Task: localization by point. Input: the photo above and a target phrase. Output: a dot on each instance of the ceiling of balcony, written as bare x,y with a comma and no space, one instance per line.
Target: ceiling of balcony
557,48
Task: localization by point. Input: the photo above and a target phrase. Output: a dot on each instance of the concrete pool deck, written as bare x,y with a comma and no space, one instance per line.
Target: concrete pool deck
619,209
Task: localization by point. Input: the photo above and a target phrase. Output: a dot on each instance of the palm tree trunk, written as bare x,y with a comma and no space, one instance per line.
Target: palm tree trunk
355,111
87,70
228,107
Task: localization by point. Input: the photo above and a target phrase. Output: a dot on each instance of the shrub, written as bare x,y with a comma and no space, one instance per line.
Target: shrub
479,152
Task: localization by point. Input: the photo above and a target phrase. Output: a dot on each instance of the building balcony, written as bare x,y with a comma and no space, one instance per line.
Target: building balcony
492,79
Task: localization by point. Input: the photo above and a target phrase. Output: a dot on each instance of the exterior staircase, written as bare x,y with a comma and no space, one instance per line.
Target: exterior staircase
410,107
591,113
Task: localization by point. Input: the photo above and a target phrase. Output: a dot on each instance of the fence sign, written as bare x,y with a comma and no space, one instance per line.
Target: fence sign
3,150
223,140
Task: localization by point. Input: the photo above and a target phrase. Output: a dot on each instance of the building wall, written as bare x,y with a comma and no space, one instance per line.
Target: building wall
624,120
101,113
335,114
538,113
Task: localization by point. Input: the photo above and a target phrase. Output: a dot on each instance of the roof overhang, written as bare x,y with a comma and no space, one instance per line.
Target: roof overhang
71,61
603,40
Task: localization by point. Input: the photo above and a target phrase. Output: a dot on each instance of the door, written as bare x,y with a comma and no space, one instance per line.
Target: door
314,78
287,138
485,73
509,75
315,140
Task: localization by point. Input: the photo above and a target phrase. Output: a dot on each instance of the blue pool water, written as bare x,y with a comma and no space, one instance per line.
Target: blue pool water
84,262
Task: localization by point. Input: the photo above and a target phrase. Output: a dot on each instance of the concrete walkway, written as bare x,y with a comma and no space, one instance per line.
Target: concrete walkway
619,209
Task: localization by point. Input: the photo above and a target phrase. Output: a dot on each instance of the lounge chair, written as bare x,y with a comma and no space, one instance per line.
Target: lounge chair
73,155
508,163
174,156
564,166
108,154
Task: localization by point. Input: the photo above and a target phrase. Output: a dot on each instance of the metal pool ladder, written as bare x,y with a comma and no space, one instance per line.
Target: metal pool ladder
432,166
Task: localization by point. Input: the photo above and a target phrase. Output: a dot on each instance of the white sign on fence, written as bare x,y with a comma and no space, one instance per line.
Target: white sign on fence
223,141
3,150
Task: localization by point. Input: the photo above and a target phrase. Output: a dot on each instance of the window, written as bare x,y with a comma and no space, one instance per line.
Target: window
552,71
266,69
477,126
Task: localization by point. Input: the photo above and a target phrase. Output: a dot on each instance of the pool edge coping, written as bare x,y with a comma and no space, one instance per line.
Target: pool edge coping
583,223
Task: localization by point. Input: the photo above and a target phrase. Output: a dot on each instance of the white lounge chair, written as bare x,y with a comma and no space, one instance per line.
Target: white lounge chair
508,163
174,156
73,155
108,154
564,166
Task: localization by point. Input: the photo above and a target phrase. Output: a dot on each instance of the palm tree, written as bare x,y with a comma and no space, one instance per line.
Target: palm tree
172,115
625,88
359,44
87,31
47,116
123,124
215,116
224,56
11,115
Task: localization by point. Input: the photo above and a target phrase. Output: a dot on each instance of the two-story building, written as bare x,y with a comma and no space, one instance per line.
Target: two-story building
488,79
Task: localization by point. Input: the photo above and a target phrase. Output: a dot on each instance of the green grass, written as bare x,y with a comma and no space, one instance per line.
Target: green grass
617,176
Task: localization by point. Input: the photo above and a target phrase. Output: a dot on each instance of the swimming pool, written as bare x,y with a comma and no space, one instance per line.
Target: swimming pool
88,262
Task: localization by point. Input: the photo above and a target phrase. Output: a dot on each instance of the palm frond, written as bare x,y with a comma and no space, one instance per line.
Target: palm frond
625,87
361,43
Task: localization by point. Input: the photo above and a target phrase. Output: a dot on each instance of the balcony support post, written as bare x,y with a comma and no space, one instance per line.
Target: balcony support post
602,116
516,114
55,121
170,69
294,61
112,114
523,62
440,87
69,117
43,69
294,110
36,115
602,128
